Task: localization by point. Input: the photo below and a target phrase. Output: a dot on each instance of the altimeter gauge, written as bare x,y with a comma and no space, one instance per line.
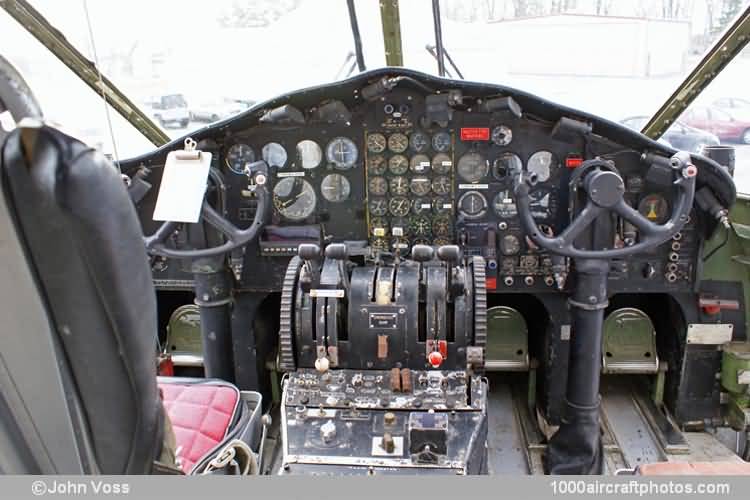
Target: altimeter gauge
294,198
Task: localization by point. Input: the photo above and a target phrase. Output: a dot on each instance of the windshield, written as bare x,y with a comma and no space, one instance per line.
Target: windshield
187,66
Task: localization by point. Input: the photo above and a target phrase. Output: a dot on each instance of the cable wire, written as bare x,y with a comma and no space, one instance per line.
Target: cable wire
101,83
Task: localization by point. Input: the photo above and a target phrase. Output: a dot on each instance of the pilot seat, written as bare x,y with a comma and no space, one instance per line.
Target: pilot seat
84,246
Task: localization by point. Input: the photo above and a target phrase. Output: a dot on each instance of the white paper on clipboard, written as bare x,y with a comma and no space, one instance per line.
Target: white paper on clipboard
182,188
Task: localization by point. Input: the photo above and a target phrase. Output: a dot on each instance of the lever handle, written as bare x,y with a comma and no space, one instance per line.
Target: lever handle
449,253
309,251
337,251
422,253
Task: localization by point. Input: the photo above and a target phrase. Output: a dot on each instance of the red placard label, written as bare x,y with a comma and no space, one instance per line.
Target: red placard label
475,134
491,284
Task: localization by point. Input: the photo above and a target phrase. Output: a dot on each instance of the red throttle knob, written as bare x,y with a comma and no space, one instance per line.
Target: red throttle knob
435,359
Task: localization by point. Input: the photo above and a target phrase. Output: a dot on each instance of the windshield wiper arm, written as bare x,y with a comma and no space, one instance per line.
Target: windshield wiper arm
357,38
433,53
439,50
41,29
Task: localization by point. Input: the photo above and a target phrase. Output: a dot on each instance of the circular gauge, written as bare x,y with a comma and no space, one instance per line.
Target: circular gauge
398,164
655,208
541,203
472,167
421,206
421,241
335,188
438,242
238,156
420,186
399,206
398,142
342,152
378,206
400,244
510,244
378,186
441,142
309,154
504,205
502,135
294,198
441,164
399,186
376,165
380,244
441,226
441,185
541,164
419,142
506,165
376,143
419,164
274,154
420,226
442,205
472,204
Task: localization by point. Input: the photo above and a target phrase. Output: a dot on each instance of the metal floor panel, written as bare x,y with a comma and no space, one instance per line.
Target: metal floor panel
630,430
505,445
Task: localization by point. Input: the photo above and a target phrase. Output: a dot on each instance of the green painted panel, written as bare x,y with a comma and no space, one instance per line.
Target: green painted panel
184,331
629,342
507,340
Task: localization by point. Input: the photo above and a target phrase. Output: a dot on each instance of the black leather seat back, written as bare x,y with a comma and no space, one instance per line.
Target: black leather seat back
83,241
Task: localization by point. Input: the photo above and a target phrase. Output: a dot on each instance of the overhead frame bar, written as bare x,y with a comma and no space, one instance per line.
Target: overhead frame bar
729,44
390,19
36,24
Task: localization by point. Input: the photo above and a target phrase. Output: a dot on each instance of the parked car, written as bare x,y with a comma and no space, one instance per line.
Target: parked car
725,126
217,109
171,109
679,135
734,105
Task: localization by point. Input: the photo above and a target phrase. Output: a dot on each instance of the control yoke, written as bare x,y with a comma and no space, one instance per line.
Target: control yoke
605,189
234,236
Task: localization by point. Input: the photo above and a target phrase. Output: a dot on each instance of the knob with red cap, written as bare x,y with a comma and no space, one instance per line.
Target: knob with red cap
435,359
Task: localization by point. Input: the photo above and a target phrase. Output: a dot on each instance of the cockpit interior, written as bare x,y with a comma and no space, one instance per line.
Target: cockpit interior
395,273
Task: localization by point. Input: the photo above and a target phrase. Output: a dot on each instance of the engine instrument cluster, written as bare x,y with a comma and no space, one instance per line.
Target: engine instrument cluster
409,192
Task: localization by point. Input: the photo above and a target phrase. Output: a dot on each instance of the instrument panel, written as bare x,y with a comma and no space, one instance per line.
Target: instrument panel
390,172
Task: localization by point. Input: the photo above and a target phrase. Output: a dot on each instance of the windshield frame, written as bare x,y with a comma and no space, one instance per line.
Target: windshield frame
730,43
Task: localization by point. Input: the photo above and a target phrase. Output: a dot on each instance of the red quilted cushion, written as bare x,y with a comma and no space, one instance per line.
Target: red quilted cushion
200,415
